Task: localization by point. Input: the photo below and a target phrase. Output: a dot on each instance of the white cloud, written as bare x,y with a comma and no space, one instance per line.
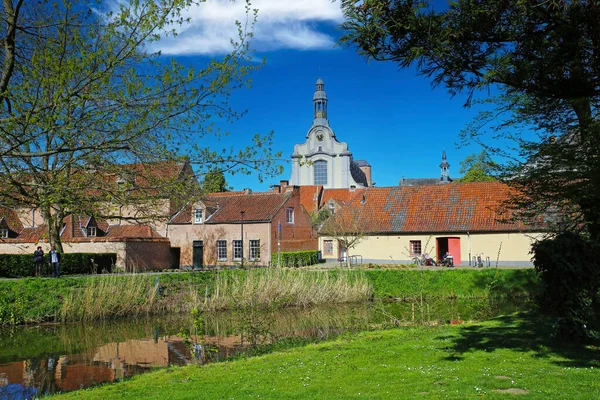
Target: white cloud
282,24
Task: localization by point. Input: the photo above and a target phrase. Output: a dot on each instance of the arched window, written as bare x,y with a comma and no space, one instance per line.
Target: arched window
320,170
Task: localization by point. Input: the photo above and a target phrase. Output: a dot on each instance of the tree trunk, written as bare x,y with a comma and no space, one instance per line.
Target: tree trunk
589,140
54,226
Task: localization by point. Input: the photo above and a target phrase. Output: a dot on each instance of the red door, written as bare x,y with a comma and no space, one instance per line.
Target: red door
454,249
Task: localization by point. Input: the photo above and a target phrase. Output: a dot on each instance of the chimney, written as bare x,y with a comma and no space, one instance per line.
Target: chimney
366,169
284,184
247,191
276,189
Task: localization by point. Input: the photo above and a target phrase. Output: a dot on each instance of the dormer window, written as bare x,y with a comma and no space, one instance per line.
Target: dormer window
332,207
198,215
91,231
3,233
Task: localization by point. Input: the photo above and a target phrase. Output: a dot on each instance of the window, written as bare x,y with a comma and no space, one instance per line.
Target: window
415,247
237,250
3,233
198,214
255,250
221,250
91,231
328,247
332,207
320,171
290,215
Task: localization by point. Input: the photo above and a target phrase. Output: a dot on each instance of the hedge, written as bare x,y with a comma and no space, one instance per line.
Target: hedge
296,258
21,265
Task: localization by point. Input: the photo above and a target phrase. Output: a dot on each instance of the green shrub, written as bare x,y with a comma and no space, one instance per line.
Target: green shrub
462,283
296,258
21,265
569,268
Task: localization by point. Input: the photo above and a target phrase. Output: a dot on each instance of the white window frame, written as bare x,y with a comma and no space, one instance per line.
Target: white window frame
325,244
413,247
3,233
289,213
198,215
254,249
235,242
92,231
221,245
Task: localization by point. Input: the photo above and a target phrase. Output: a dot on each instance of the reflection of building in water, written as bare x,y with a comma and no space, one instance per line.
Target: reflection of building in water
109,362
76,371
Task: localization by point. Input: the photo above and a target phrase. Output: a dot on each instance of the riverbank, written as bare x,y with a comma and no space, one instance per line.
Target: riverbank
506,355
34,300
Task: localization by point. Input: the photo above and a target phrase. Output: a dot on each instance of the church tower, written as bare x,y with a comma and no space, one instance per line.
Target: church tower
322,159
445,167
320,105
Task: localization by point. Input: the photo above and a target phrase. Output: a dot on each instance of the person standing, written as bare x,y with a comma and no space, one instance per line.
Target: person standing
55,261
38,260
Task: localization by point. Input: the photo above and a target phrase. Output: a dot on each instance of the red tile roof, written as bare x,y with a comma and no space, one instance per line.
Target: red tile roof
226,208
75,225
225,194
457,207
341,195
257,207
310,197
31,235
11,219
313,197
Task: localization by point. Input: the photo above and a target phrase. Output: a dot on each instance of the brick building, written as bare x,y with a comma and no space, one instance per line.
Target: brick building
209,232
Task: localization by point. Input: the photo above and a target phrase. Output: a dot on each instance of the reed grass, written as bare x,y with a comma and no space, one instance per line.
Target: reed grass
283,288
110,297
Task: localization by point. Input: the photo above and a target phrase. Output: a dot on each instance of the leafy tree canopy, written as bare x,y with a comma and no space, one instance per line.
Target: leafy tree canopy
542,57
477,168
81,91
214,181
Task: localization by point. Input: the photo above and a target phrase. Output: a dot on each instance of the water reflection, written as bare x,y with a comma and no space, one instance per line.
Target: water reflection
64,357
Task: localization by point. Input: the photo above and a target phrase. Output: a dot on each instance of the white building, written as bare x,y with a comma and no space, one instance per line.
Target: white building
322,159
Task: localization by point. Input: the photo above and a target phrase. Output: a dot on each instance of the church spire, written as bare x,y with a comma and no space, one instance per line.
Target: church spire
445,167
320,104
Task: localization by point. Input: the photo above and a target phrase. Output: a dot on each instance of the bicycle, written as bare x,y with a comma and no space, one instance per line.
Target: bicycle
418,260
479,261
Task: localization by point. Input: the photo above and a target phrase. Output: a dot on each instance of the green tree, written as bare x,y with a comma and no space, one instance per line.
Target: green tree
543,60
347,227
319,217
81,91
214,181
477,168
542,57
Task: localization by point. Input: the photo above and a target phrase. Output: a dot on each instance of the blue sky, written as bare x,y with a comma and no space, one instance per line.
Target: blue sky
392,118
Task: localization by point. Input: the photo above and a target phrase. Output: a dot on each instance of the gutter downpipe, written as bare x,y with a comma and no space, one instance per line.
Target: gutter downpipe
270,264
469,241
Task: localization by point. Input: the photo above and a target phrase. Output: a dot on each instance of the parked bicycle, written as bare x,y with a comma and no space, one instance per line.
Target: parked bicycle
423,259
479,261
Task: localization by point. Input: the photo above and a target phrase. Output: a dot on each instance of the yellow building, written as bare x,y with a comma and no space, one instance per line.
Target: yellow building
465,219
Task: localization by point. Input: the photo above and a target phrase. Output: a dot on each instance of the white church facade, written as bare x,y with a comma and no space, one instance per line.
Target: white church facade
322,159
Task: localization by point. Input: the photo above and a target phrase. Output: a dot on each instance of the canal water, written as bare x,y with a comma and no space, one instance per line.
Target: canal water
50,358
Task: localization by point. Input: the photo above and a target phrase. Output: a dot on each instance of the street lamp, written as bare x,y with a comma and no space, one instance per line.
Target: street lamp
242,214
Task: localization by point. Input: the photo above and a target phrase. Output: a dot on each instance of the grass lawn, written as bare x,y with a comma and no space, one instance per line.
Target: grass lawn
502,358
